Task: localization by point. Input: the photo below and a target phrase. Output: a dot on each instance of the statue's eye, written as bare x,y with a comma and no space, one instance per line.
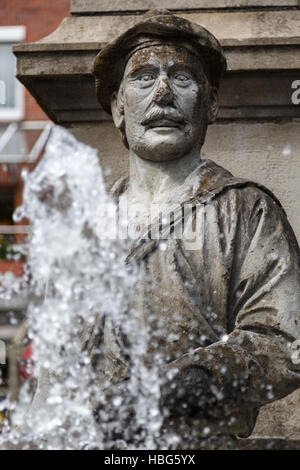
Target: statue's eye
182,78
147,77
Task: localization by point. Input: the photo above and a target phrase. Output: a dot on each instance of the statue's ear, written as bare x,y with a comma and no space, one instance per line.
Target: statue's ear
117,110
213,105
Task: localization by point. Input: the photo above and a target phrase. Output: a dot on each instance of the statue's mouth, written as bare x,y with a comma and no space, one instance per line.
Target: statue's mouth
165,123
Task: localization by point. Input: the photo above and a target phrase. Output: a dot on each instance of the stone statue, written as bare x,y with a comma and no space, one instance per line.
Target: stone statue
225,304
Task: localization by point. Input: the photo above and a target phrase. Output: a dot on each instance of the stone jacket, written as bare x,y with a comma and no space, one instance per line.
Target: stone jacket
225,307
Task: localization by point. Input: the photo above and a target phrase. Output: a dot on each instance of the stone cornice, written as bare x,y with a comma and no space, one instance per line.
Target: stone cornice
262,49
84,7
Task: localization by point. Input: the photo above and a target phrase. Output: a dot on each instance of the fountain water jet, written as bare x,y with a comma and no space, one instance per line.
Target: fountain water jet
78,277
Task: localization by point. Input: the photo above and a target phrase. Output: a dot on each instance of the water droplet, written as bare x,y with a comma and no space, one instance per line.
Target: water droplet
287,151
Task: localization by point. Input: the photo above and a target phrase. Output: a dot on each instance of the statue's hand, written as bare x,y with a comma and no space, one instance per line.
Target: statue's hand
185,387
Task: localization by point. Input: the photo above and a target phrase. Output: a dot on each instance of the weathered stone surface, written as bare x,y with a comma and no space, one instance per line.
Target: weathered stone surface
280,419
103,6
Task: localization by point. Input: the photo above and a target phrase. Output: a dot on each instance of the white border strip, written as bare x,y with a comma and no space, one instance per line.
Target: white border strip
39,143
12,33
7,135
44,126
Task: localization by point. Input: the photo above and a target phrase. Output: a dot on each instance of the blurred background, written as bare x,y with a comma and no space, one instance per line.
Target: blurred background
24,130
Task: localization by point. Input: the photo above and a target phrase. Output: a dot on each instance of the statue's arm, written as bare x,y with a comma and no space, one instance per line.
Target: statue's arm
255,362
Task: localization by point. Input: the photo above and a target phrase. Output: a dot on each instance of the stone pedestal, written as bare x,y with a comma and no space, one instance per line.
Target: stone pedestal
256,135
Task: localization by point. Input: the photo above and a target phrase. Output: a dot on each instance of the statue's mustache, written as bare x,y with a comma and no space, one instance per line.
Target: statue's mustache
157,114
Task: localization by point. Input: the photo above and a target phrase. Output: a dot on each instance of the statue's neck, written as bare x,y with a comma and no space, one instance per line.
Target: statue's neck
153,182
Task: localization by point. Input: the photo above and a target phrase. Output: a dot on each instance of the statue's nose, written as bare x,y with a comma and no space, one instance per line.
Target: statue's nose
163,94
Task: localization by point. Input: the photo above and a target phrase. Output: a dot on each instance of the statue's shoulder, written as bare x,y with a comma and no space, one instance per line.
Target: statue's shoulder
219,183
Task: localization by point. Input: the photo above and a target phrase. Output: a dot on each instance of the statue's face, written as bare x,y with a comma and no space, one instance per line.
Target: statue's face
164,96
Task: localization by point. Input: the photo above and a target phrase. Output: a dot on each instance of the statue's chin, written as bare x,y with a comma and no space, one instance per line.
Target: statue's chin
162,148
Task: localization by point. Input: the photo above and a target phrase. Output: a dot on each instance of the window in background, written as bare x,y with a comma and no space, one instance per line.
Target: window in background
11,90
23,142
